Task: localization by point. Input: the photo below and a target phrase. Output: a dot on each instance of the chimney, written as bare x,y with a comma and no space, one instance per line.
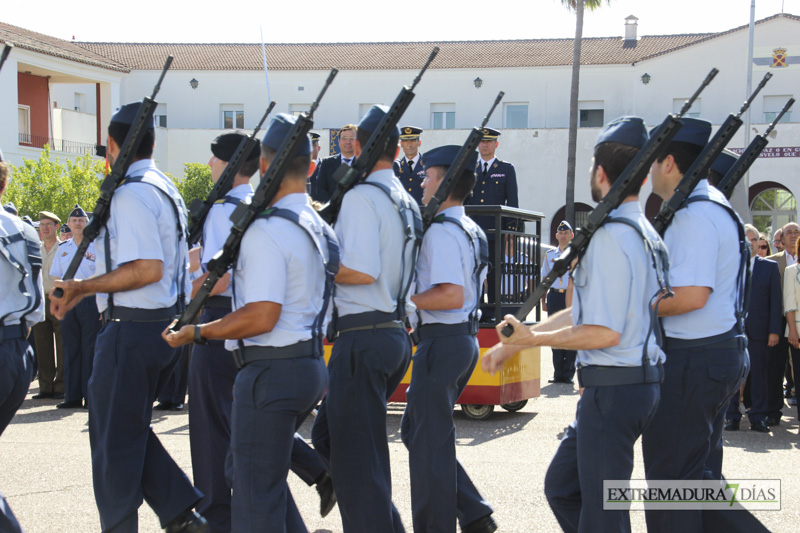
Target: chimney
630,28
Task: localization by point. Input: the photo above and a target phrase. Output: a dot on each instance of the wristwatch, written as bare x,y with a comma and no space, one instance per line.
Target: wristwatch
198,339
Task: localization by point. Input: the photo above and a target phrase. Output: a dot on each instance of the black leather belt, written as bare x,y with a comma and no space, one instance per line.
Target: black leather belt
730,340
602,376
135,314
560,291
430,331
369,318
220,302
12,332
262,353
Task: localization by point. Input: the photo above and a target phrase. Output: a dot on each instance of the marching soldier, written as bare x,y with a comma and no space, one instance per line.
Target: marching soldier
81,324
611,325
556,300
376,229
281,287
450,275
142,284
410,169
21,306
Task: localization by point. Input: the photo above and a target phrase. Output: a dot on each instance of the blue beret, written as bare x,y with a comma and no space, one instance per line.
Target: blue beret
127,113
410,133
373,118
224,146
694,131
564,226
490,134
445,155
10,208
278,129
629,131
78,211
64,229
724,162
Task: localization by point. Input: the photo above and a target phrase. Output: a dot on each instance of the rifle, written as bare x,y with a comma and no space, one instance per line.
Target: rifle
6,50
625,184
456,169
347,177
245,214
700,166
200,208
142,121
749,156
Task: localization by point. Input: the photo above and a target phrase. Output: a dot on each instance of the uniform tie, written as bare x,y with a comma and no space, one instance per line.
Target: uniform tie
485,169
346,160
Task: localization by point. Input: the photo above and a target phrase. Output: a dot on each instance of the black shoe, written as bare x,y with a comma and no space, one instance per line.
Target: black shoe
188,522
760,427
731,425
163,406
481,525
176,407
74,404
554,380
42,396
58,395
773,420
327,496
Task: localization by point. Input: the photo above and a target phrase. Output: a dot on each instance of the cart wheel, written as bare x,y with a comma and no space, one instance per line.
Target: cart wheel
477,412
514,406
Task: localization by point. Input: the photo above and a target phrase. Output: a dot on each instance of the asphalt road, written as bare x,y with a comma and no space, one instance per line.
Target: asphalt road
45,467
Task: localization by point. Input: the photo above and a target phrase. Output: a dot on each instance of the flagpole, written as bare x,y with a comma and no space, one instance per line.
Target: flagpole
264,57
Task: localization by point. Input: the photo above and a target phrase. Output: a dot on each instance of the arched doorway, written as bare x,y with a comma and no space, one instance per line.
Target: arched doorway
581,212
772,206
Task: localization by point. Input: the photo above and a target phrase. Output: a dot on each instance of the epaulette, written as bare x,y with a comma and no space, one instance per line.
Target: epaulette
65,242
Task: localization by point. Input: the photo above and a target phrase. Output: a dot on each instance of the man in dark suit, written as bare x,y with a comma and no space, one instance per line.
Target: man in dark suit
779,354
410,169
496,185
763,327
328,166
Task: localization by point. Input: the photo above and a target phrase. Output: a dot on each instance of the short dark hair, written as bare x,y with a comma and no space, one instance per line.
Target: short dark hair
614,157
714,177
298,165
118,132
464,184
362,136
683,153
249,167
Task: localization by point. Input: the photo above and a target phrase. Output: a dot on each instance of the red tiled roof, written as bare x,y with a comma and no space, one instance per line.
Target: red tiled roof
37,42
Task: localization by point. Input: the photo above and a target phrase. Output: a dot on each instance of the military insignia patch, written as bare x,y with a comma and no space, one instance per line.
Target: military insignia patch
779,56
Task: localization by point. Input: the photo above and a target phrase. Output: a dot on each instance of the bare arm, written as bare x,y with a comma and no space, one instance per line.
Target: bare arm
686,299
255,318
441,297
221,286
348,276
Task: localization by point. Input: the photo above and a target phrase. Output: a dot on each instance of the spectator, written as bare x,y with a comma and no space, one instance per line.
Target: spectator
763,246
777,242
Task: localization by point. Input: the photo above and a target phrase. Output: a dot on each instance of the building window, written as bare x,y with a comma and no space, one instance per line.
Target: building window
296,109
443,116
24,119
694,111
80,102
590,114
772,209
773,105
516,116
363,109
232,116
160,116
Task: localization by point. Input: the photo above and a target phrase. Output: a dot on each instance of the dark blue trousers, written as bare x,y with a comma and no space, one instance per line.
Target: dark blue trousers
79,331
349,432
441,490
598,446
684,439
132,364
212,371
776,371
758,351
16,372
272,398
174,391
563,360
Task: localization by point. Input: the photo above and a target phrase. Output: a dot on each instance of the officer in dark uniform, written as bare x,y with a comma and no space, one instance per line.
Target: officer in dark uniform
311,188
496,185
450,274
81,325
556,300
325,184
611,325
21,306
410,169
282,283
142,285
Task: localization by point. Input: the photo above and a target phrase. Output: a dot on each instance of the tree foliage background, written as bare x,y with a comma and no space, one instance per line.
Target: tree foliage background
48,184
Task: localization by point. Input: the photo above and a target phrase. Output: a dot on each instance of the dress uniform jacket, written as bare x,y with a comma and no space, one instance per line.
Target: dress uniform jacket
411,175
496,186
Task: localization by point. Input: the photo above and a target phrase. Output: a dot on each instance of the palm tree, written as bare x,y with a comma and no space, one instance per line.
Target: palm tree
578,6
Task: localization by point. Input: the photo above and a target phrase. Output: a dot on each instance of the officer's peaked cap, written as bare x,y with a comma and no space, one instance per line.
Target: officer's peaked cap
446,155
224,146
490,134
410,133
629,131
279,128
564,226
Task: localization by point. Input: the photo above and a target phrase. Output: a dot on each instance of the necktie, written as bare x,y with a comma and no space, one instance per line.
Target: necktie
485,169
410,165
346,160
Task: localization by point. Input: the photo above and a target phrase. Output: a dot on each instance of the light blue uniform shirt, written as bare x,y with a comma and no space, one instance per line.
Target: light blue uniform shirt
371,236
278,263
703,244
142,225
614,283
65,253
12,302
550,259
447,256
218,225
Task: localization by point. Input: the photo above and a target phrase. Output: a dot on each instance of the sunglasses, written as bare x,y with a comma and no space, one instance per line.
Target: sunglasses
763,247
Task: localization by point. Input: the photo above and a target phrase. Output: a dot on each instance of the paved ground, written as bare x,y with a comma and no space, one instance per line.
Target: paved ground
45,469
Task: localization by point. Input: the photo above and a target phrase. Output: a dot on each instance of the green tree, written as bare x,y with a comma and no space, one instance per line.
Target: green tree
50,185
196,182
578,7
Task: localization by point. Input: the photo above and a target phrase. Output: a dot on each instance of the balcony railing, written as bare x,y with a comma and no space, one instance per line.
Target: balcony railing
58,145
